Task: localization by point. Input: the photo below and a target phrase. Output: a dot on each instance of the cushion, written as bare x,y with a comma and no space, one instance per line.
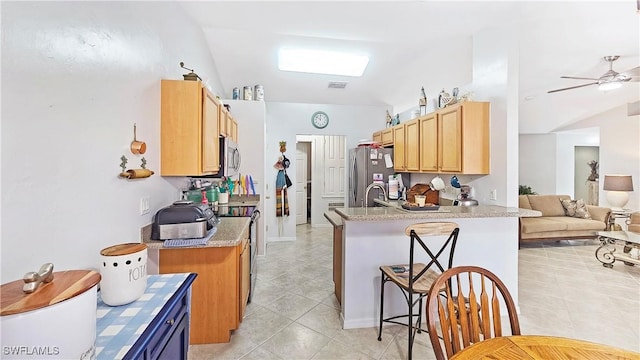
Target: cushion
575,208
536,224
523,202
573,223
549,205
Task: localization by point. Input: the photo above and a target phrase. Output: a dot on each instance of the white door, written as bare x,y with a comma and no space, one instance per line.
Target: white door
301,183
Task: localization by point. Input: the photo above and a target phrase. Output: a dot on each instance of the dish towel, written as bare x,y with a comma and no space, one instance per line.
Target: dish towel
282,204
190,242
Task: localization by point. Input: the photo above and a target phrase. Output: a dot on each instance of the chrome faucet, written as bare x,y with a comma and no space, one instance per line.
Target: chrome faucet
371,186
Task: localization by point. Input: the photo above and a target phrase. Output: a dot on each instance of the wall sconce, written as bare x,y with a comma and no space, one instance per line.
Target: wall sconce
617,187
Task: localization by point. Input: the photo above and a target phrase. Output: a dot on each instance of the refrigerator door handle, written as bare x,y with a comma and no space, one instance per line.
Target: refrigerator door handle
354,178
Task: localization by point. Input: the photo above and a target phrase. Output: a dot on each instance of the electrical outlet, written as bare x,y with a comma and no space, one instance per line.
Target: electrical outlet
144,205
493,194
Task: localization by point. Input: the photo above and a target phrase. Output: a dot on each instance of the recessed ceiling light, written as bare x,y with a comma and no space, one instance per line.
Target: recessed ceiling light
322,62
529,97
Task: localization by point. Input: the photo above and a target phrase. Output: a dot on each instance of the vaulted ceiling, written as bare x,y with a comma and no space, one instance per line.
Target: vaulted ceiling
428,43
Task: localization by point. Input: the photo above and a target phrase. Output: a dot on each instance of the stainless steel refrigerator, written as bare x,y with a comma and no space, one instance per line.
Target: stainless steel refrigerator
367,164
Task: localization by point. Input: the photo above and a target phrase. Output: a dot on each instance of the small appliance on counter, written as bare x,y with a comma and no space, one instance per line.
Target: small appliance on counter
183,219
465,198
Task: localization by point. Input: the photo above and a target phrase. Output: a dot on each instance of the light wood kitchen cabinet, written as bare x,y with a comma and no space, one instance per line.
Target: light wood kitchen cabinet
189,143
463,138
223,122
387,137
399,147
406,146
245,277
233,128
429,142
220,292
377,137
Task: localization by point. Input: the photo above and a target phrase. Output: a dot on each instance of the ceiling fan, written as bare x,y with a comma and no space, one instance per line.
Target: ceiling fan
609,80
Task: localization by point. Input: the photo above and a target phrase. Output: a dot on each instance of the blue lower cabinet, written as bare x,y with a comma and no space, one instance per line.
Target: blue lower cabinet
151,327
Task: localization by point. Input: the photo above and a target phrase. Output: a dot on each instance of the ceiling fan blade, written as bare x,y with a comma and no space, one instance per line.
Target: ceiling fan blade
633,72
577,78
572,87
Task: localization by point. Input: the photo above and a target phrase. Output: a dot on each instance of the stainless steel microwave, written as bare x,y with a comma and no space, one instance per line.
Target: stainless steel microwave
229,158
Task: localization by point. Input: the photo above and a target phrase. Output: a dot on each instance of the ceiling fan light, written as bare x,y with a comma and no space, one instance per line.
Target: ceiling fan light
611,85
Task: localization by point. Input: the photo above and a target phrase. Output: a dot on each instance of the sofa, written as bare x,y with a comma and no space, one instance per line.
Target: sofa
562,218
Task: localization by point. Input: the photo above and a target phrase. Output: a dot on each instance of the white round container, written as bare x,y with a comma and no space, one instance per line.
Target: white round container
124,273
57,321
223,198
393,189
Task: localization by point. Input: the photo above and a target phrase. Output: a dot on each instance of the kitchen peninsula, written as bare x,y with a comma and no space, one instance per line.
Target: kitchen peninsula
374,236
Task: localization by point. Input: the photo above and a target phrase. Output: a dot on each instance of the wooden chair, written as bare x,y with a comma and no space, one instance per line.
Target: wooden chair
415,278
482,295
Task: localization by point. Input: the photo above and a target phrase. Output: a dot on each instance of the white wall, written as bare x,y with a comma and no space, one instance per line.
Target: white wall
552,156
76,76
284,122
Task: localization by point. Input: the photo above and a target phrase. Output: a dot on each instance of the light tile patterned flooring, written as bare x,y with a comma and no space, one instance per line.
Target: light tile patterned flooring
564,291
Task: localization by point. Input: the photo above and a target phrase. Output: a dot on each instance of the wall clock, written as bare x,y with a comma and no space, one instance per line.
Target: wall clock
320,119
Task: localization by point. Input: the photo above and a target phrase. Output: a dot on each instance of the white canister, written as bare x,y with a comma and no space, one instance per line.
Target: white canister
56,321
223,198
124,273
393,189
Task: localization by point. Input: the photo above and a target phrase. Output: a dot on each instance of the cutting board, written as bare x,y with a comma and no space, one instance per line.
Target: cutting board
433,196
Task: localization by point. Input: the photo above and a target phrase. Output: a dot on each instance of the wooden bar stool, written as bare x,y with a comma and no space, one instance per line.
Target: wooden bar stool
415,278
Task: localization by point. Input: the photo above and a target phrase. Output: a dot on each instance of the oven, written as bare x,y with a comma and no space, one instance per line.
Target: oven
253,213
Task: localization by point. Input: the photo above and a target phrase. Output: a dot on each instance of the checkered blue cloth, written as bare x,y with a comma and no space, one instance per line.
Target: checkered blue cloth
118,327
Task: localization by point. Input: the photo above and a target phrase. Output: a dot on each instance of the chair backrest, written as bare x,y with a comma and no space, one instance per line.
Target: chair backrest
482,295
416,233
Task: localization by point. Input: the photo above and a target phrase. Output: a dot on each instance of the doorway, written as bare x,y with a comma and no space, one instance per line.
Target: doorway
325,171
303,182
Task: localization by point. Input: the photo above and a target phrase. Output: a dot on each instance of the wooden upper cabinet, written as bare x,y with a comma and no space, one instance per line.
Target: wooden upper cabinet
429,142
387,137
377,137
412,145
210,134
189,143
399,146
450,140
464,138
233,128
224,121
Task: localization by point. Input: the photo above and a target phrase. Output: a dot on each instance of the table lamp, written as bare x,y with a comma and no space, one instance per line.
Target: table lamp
617,187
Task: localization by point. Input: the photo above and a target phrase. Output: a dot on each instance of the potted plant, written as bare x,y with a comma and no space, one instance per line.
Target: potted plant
525,190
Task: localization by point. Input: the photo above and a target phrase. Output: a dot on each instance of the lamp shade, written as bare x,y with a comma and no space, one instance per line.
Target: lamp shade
618,183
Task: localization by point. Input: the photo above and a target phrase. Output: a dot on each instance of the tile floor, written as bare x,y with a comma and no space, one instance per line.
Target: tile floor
564,291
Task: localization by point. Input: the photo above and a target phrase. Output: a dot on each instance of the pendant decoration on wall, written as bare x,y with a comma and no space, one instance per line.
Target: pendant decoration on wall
141,173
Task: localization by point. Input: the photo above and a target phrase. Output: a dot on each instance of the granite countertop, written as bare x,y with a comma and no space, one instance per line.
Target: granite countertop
333,218
228,233
392,210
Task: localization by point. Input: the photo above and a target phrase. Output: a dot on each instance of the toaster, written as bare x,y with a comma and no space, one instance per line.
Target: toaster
183,219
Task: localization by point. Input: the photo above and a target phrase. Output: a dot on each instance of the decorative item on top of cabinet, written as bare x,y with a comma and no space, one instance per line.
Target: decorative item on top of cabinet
389,120
134,173
189,136
190,76
423,102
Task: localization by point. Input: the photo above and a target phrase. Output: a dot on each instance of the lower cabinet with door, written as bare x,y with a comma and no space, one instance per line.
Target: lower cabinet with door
221,291
156,326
